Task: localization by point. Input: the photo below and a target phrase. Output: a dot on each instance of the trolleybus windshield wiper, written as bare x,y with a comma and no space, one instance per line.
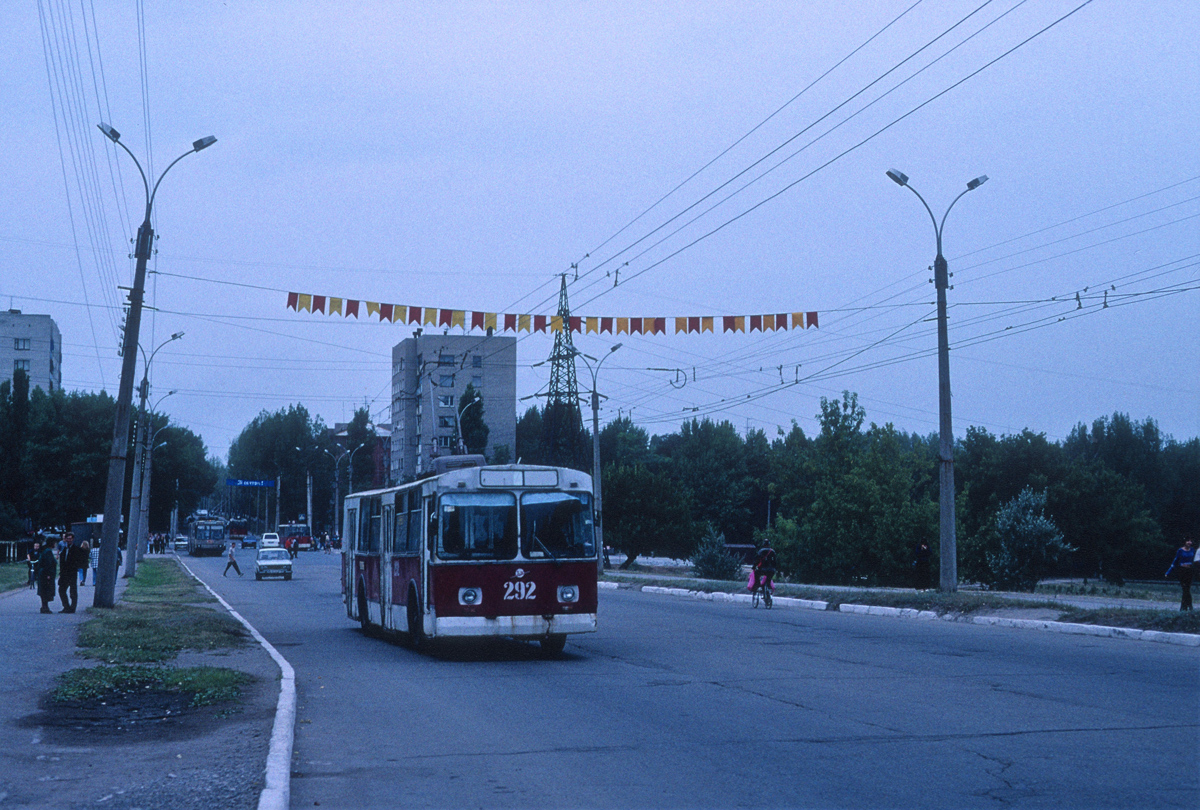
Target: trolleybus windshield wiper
537,540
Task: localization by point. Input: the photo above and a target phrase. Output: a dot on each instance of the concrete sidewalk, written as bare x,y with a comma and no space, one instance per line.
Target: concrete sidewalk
66,766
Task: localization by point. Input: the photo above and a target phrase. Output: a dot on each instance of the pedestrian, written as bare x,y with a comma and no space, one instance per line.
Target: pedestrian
921,566
68,570
84,562
45,568
232,562
94,562
1184,559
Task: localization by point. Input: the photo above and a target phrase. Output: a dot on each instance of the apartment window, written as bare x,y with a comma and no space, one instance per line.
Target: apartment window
477,361
20,365
446,421
446,381
477,381
21,344
445,359
444,441
445,400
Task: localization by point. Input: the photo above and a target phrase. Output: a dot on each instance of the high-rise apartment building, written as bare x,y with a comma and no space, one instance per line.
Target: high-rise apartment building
430,373
31,343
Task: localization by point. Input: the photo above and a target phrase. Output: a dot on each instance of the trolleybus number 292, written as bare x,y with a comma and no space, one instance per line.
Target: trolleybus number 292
476,551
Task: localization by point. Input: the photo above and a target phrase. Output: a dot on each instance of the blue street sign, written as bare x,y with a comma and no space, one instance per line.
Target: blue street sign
241,482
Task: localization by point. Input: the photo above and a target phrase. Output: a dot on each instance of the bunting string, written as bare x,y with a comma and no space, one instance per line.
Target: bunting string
470,321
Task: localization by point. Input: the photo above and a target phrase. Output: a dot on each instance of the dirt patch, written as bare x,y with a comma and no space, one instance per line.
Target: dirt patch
147,715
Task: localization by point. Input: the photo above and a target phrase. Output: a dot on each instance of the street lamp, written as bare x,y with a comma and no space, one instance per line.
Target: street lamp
139,503
134,555
461,442
144,516
308,474
948,547
105,595
337,486
599,518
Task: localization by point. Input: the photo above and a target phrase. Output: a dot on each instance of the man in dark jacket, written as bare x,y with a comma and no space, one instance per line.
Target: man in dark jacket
44,570
73,557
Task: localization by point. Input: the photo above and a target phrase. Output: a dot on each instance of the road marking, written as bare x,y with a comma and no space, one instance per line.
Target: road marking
276,795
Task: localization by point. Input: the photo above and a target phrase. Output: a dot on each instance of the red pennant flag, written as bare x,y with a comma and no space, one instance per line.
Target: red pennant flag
477,323
445,317
727,323
385,312
539,323
811,318
292,300
660,326
510,325
414,314
351,307
577,325
694,326
756,322
319,304
781,320
606,326
635,326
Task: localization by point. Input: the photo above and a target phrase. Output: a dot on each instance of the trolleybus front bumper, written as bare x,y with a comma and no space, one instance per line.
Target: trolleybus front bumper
524,627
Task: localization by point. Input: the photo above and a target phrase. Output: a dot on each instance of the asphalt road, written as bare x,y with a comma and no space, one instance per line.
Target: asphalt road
680,703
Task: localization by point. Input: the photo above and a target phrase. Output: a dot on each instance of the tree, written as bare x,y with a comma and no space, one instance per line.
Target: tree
529,437
473,428
1028,544
712,560
640,519
708,459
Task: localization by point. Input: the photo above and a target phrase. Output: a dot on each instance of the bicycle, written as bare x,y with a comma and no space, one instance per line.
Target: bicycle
763,593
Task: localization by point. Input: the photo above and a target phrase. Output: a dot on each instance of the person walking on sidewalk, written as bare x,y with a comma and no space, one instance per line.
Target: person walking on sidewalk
232,562
45,568
68,574
94,562
1184,561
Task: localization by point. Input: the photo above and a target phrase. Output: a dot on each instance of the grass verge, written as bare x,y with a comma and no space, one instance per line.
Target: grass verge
156,619
206,685
13,576
961,603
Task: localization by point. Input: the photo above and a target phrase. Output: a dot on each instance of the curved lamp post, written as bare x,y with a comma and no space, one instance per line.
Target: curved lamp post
948,547
139,501
132,555
599,517
118,456
337,487
461,442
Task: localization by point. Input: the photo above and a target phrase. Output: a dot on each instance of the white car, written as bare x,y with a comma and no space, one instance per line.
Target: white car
269,540
273,562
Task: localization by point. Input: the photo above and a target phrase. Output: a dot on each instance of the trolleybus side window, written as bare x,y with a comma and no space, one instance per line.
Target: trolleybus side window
414,521
557,525
351,529
372,528
478,526
387,527
400,532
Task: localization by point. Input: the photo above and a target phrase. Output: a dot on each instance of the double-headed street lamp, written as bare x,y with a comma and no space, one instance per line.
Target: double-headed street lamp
105,595
599,511
139,500
948,547
337,486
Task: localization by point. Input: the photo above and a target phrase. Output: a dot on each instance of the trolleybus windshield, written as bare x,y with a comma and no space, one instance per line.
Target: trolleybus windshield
478,526
557,525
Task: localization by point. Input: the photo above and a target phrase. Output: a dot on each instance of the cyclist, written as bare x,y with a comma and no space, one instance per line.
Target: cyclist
764,568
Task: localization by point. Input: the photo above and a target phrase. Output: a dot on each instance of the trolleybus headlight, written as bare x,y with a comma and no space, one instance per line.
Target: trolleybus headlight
468,596
568,593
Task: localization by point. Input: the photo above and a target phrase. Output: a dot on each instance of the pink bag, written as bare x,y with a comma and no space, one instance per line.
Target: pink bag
750,584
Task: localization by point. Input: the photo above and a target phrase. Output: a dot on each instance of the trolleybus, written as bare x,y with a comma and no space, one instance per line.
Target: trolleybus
504,550
207,534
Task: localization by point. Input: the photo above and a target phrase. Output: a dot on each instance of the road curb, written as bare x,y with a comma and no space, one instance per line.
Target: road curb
276,794
1069,628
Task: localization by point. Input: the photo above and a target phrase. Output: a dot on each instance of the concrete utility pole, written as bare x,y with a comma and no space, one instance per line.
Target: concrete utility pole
948,547
599,505
105,591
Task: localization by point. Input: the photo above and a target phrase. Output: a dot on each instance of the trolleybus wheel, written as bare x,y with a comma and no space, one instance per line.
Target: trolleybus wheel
416,632
553,645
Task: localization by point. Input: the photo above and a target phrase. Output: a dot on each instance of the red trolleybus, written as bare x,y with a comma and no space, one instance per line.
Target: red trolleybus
480,551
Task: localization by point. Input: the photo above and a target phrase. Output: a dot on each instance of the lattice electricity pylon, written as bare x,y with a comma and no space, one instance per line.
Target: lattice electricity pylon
562,427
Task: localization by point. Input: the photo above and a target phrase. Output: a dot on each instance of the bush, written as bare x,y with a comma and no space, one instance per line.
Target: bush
1028,543
712,561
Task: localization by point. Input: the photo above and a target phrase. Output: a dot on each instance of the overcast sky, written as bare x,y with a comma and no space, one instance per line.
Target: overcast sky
464,155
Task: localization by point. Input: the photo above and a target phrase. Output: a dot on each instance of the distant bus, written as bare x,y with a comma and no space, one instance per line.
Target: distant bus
239,532
296,535
207,535
482,551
